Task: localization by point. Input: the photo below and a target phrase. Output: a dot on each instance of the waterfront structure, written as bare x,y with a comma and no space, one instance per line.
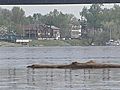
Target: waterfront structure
41,31
23,41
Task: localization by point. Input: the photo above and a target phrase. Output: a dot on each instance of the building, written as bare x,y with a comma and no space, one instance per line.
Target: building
56,32
41,31
76,32
30,31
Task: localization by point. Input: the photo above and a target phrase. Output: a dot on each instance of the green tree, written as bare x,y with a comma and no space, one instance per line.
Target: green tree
18,17
94,20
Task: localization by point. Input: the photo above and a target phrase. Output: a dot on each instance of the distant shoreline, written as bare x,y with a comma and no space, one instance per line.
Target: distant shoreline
39,43
9,44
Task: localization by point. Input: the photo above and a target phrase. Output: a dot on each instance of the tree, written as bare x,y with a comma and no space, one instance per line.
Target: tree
94,21
18,15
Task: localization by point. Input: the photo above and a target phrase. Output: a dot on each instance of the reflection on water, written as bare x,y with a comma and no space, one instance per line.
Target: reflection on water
59,79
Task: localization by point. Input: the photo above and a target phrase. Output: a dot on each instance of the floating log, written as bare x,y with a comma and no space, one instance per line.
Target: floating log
76,65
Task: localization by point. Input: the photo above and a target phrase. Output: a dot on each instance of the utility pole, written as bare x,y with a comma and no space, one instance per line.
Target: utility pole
29,33
110,34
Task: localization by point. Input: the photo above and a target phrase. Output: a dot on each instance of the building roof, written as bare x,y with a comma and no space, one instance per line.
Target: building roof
36,26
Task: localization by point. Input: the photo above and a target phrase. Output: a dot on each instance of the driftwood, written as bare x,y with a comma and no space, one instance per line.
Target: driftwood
76,65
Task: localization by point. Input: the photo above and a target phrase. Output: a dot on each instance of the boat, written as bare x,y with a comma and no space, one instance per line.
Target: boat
76,65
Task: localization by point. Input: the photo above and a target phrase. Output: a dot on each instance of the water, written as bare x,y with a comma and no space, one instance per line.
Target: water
15,76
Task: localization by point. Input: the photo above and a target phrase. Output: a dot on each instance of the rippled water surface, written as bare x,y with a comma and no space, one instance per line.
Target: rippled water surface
15,76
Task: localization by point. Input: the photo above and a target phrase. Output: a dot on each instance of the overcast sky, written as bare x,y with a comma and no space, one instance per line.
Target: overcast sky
44,9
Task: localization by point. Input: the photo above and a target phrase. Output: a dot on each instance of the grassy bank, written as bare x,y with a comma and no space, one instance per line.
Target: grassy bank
9,44
74,42
56,43
48,43
38,43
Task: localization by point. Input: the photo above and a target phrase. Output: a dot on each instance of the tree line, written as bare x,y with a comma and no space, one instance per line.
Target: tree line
104,23
96,22
16,18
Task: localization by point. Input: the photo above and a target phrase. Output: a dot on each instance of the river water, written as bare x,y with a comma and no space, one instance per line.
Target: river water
15,76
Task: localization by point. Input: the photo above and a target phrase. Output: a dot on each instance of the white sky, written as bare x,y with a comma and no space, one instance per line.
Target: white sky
44,9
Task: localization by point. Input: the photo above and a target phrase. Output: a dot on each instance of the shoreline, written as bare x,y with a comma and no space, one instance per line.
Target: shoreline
9,44
39,43
45,43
